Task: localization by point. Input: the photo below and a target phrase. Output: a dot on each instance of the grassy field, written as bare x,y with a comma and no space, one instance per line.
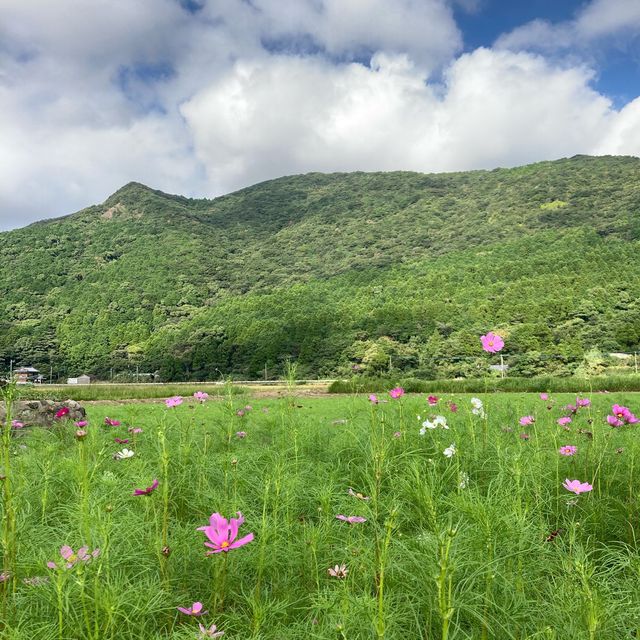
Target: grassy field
485,544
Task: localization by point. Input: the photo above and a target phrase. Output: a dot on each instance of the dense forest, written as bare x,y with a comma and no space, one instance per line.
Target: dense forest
340,273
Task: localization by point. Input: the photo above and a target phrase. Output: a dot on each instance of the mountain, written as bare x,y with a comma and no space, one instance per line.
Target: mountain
336,272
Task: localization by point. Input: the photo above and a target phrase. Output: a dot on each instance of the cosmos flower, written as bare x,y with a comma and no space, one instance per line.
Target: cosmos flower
134,431
211,632
16,424
492,342
453,407
621,415
148,491
357,494
223,533
432,400
544,396
201,396
61,413
526,421
398,392
111,423
438,421
339,571
351,519
124,454
194,610
564,421
568,450
70,559
450,451
373,399
583,402
173,402
121,440
577,487
241,434
81,434
81,423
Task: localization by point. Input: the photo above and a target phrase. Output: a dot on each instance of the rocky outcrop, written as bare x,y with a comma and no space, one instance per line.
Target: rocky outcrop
42,412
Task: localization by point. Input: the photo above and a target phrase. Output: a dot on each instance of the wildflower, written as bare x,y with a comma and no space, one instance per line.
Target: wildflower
16,424
398,392
248,408
358,495
222,533
70,559
576,486
614,422
526,421
148,491
166,551
397,434
453,407
623,416
492,343
544,396
81,423
4,576
564,421
61,413
194,610
240,412
201,396
173,402
125,453
572,408
525,436
463,480
111,423
478,407
432,400
619,450
450,451
81,434
134,430
241,434
568,450
339,571
583,402
438,421
35,581
211,632
351,519
121,440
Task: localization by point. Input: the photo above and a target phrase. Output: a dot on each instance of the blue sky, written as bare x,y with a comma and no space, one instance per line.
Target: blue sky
202,97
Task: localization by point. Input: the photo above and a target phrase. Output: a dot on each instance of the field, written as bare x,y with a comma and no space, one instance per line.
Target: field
484,543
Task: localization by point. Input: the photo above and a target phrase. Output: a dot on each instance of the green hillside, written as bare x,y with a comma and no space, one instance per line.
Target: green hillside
335,271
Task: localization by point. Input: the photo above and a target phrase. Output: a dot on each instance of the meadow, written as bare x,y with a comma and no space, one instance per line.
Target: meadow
451,527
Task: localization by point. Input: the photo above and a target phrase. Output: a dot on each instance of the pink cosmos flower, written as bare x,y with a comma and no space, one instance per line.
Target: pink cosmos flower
576,486
351,519
173,402
121,440
240,412
201,396
61,413
572,407
70,559
525,421
194,610
568,450
453,407
544,396
432,400
248,408
111,423
241,434
398,392
148,491
81,423
211,632
564,421
16,424
81,434
614,422
4,576
583,402
222,533
623,414
373,398
134,430
339,571
492,342
397,434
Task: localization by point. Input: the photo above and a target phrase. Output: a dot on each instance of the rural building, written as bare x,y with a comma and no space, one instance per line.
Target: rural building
83,379
24,375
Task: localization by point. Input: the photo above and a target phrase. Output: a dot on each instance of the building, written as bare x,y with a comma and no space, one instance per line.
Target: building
24,375
83,379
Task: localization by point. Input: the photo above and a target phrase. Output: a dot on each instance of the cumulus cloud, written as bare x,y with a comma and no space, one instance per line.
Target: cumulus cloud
232,92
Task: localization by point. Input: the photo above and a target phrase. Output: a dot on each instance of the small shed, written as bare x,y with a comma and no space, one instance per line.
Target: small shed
83,379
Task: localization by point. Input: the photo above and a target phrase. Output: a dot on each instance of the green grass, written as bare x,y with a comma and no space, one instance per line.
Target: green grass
434,560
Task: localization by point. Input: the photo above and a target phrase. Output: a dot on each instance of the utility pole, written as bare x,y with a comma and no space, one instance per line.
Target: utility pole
265,370
501,366
635,360
137,372
50,373
10,370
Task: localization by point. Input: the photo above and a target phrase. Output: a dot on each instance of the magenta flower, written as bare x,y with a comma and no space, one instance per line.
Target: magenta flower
201,396
572,407
576,486
211,632
398,392
351,519
432,400
568,450
583,402
16,424
453,407
148,491
373,398
525,421
241,434
134,430
564,421
111,423
623,416
173,402
194,610
544,396
61,413
222,533
121,440
70,559
492,342
81,423
614,422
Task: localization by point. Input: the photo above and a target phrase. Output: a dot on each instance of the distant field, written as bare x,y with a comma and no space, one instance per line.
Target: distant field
485,544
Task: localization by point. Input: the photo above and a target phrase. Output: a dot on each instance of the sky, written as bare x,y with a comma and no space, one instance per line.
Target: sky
204,97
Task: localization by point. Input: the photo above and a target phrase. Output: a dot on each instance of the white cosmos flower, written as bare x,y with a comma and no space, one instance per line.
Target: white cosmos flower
476,403
125,453
450,451
463,480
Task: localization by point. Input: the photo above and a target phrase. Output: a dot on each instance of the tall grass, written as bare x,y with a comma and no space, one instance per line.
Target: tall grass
486,544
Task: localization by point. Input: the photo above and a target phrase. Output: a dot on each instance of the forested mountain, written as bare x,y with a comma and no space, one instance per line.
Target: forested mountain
336,272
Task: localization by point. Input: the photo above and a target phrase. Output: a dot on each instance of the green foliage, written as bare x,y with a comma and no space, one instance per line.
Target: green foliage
334,272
